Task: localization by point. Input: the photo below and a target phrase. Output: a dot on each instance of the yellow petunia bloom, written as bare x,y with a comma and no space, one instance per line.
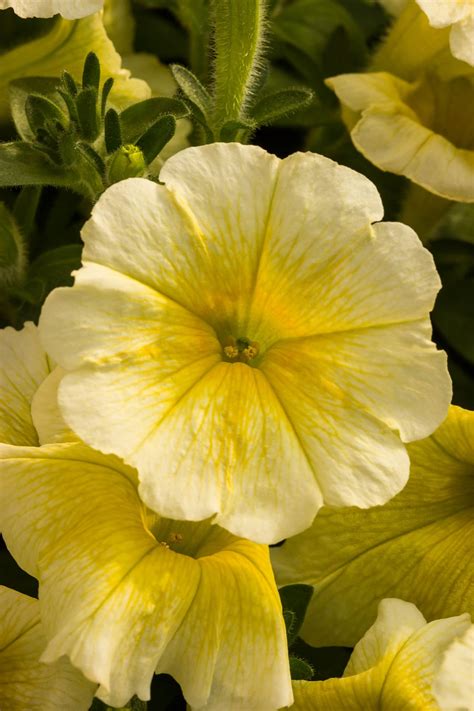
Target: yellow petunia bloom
412,110
457,15
453,687
417,547
70,9
395,666
249,340
26,684
65,46
125,593
407,127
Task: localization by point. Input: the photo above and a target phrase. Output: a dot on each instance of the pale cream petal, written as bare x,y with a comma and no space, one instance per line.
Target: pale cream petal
309,237
110,318
398,143
219,674
393,372
462,39
418,546
232,430
46,415
413,670
340,291
453,687
360,462
391,668
70,9
396,622
120,602
359,91
26,684
442,13
176,230
24,367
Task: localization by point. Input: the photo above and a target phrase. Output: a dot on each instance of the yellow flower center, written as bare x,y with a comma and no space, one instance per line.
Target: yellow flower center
240,350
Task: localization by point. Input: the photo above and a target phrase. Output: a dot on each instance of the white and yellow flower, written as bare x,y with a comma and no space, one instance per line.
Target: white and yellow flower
70,9
407,127
400,663
249,340
26,684
412,110
124,593
418,546
457,15
453,686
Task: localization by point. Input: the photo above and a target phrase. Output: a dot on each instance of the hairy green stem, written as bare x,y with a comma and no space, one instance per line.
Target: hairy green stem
239,27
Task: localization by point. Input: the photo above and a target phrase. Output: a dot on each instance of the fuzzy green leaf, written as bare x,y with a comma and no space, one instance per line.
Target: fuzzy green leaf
280,104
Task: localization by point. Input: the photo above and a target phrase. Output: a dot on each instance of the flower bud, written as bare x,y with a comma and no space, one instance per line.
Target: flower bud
127,162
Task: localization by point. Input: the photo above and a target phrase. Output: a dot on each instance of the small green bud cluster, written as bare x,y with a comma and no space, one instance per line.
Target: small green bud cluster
77,131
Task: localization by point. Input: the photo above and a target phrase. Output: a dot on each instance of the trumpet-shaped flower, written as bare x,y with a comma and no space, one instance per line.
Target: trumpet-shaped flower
249,340
125,593
395,666
418,546
407,127
26,684
458,15
70,9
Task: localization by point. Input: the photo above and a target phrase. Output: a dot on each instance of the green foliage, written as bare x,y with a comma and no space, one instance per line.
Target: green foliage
69,139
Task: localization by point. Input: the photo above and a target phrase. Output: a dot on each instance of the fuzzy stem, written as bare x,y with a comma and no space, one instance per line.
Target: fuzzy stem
239,27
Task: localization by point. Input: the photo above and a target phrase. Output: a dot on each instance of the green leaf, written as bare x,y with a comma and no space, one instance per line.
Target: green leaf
69,83
238,39
106,89
22,164
232,130
453,315
53,268
41,111
295,599
20,90
306,26
137,118
91,73
192,88
300,669
26,205
155,139
112,131
327,662
86,103
281,103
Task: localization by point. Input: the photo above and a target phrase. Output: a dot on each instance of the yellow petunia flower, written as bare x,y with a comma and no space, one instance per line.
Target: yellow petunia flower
395,666
453,687
26,684
70,9
249,340
457,15
124,593
407,127
417,547
411,111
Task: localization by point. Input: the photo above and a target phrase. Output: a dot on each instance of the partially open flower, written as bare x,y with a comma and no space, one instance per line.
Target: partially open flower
457,15
26,684
123,592
418,546
407,127
395,665
332,365
70,9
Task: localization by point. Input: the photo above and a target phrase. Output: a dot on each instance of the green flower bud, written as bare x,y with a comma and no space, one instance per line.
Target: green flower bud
12,250
126,162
